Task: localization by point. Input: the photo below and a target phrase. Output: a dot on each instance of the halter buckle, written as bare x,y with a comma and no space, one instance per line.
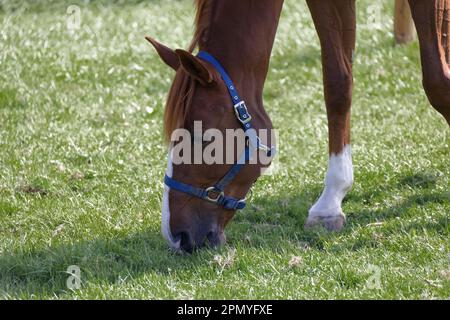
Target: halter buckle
242,114
213,195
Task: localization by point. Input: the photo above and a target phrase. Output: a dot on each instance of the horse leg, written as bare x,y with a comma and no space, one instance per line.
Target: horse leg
432,19
335,23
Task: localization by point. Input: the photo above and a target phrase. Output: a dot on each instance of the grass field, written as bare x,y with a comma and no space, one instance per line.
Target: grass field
82,161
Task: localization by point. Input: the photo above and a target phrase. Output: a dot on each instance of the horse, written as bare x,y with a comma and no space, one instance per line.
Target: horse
235,40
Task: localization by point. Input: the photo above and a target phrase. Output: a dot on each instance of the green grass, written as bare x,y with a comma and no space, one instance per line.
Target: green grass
82,161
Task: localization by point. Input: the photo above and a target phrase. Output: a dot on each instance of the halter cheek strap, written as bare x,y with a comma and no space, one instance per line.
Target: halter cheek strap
216,194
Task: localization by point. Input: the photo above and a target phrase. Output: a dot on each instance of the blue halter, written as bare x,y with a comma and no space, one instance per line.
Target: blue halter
216,194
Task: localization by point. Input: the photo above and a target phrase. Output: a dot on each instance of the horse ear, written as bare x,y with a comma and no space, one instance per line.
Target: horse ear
167,55
198,69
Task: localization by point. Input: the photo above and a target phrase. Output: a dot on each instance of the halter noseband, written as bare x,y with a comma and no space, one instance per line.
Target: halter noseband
216,193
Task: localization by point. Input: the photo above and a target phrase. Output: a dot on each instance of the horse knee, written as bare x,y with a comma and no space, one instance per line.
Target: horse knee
437,89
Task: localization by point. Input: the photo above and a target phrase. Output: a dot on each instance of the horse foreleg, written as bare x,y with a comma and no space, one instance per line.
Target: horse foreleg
432,19
335,23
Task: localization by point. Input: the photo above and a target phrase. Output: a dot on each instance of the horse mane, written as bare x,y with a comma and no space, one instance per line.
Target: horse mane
182,90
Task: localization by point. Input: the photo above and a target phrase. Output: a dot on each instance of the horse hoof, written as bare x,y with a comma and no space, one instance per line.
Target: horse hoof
330,223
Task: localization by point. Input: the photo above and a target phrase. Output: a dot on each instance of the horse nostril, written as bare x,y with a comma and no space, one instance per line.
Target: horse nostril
190,242
186,243
215,239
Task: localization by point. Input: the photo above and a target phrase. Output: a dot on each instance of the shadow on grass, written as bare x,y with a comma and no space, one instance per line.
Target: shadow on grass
422,185
268,224
43,272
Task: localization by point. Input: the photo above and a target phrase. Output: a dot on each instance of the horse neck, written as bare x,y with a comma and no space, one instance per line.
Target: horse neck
241,36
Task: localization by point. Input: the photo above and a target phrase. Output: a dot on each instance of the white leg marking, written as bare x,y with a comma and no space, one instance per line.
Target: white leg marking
338,182
165,216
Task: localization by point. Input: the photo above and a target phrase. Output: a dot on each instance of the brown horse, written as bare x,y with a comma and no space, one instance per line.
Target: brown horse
240,34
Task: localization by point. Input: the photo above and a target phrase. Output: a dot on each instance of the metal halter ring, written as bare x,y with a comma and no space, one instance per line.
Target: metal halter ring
212,190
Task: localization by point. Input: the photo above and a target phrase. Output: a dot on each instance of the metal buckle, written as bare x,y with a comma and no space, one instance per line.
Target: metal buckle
238,114
220,194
